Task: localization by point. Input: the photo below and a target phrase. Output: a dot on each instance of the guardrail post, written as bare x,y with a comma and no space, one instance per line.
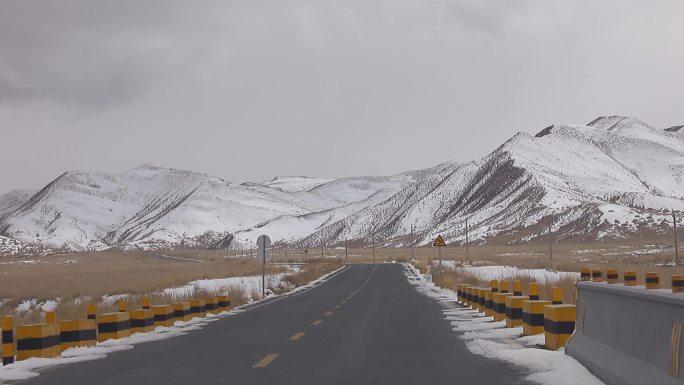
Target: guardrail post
559,324
8,349
50,317
585,274
514,310
145,303
123,305
91,311
533,317
630,278
556,296
534,291
678,283
653,280
517,288
612,276
597,275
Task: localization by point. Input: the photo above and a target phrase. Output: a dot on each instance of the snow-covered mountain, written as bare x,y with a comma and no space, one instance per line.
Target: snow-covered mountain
13,200
610,178
151,207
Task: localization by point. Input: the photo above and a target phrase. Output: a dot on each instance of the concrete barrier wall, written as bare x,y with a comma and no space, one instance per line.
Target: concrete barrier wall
628,335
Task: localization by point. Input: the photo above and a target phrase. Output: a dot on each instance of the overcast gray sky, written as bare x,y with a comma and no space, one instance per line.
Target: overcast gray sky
250,89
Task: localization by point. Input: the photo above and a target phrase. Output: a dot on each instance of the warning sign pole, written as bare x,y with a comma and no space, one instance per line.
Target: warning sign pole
439,243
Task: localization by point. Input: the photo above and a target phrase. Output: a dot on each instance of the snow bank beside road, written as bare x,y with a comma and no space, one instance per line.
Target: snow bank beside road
491,339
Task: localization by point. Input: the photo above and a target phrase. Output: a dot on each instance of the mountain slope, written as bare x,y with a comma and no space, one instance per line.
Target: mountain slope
608,179
13,200
583,178
151,207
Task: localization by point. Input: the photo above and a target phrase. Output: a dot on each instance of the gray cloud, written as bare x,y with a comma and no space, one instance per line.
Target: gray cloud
325,87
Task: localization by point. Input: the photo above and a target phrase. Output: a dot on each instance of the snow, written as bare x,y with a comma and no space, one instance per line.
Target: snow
487,273
490,339
296,183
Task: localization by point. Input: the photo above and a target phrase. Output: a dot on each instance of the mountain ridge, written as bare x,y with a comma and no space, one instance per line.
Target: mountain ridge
610,178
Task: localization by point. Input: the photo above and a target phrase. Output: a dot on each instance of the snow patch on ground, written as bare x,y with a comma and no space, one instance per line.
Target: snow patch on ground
486,273
493,340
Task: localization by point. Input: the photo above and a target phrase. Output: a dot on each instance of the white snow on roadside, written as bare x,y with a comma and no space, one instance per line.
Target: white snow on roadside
491,339
487,273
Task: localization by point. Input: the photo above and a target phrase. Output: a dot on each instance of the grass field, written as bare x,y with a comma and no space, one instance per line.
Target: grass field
74,278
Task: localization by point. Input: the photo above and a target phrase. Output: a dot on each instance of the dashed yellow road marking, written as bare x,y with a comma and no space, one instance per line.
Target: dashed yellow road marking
316,322
337,306
344,301
297,336
266,360
327,314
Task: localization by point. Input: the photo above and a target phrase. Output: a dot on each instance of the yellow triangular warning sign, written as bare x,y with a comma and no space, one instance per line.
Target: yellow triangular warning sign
439,242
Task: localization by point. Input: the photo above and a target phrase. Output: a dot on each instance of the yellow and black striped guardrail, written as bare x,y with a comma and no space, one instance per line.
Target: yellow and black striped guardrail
517,288
500,305
474,300
653,280
49,339
141,320
585,274
163,315
181,311
39,340
612,276
514,310
533,317
223,303
489,303
113,326
630,278
8,340
481,299
597,275
559,324
556,296
534,291
677,283
77,333
145,302
198,308
210,304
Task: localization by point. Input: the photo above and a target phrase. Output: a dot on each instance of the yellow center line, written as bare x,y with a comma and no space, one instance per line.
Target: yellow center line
297,336
328,314
316,322
266,360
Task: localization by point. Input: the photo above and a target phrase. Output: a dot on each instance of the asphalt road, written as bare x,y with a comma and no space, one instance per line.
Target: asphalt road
366,325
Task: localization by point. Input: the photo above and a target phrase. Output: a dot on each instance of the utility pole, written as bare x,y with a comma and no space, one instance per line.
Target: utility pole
346,254
550,239
467,243
285,253
321,251
412,243
373,248
676,245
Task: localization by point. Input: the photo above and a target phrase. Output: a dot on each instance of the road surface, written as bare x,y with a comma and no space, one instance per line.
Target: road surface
366,325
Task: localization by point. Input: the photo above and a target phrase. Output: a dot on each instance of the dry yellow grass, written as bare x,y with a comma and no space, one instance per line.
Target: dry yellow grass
79,278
